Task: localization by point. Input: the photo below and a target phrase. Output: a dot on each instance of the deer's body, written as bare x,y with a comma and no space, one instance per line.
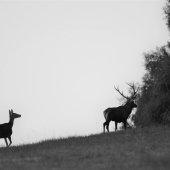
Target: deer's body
118,114
6,128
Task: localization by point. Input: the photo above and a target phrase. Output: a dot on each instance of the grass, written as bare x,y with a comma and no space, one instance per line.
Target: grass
133,149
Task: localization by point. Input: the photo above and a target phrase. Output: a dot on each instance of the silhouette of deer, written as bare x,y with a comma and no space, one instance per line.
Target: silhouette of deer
6,128
121,113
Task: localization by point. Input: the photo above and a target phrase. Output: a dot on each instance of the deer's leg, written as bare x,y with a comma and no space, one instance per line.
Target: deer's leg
6,142
107,126
10,140
115,126
125,125
104,124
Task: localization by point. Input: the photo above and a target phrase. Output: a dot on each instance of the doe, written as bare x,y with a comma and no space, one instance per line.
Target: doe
6,128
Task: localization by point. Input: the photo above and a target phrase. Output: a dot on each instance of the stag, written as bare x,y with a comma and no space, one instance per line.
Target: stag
6,128
121,113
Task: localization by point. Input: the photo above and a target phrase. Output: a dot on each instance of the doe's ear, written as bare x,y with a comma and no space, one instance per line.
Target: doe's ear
9,114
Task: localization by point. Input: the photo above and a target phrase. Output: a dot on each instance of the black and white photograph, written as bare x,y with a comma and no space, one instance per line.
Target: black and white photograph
85,84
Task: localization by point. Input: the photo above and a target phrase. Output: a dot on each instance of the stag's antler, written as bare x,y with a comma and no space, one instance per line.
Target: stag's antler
121,93
134,90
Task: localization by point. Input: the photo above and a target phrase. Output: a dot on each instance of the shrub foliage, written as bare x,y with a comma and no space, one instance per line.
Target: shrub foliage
154,99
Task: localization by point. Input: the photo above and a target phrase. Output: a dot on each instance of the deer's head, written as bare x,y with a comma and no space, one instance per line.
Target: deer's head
13,115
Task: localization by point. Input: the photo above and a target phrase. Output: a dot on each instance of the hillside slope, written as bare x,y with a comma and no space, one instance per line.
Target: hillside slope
146,148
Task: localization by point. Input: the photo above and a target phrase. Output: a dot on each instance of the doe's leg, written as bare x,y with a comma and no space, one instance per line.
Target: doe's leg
10,140
6,142
104,124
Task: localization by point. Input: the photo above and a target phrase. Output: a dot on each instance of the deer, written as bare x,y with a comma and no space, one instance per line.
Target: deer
6,128
120,114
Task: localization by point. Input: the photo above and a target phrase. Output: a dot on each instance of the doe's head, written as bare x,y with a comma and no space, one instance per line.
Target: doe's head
13,115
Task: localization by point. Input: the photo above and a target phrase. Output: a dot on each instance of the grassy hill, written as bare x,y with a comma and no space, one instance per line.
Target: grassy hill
141,148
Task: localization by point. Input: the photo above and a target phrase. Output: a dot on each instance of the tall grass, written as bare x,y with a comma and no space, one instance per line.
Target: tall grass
141,148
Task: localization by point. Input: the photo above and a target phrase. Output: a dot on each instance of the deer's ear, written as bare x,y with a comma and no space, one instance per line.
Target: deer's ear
9,114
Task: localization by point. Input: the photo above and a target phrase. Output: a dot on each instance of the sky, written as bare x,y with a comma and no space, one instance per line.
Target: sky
60,60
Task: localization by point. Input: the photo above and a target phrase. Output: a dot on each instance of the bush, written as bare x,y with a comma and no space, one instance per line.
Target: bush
154,100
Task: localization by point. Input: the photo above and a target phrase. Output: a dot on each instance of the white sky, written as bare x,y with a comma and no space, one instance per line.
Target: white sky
59,61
